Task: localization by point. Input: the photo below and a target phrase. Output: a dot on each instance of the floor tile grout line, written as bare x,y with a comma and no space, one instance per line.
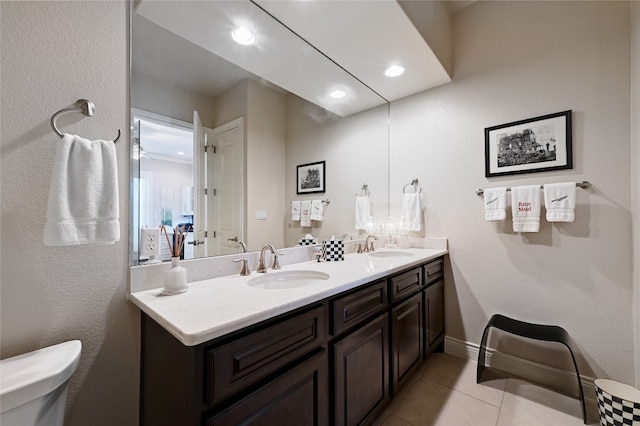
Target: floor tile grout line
467,394
501,402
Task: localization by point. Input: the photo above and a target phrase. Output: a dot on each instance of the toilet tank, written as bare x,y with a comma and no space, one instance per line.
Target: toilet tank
33,386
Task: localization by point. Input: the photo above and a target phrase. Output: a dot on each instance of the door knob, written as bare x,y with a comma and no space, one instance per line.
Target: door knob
234,239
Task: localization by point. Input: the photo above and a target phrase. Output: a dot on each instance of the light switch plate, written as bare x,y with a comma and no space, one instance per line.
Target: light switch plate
261,215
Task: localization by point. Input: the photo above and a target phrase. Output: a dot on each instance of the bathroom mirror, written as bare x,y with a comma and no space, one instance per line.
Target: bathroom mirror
261,111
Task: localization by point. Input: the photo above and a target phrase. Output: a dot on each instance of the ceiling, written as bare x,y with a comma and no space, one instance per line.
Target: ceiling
363,37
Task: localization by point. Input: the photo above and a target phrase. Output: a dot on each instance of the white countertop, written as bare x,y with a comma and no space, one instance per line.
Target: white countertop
214,307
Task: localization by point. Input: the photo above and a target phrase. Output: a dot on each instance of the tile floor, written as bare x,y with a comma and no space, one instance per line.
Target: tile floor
454,399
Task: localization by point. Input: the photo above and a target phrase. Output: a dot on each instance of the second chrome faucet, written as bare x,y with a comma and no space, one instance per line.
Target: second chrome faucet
261,265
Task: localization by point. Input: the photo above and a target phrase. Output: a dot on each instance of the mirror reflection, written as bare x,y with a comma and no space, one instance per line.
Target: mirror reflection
219,130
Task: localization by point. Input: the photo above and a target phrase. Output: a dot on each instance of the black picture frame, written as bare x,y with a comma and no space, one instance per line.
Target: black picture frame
311,178
537,144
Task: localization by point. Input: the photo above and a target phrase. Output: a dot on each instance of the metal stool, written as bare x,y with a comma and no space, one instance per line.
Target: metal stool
548,333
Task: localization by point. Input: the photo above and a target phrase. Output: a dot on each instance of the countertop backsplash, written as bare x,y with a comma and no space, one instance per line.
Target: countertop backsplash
147,277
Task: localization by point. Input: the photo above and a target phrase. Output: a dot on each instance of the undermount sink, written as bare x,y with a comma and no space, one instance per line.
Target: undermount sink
387,254
288,279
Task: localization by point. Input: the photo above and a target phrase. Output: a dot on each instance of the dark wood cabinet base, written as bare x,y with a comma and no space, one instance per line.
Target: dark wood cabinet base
337,362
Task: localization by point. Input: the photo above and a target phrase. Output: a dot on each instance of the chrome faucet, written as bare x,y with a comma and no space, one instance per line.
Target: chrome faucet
245,267
242,245
261,266
369,246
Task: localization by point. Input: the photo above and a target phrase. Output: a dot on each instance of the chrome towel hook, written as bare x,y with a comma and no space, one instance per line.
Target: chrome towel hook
84,106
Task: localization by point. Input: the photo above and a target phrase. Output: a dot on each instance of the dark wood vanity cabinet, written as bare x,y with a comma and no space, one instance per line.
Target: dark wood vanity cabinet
336,362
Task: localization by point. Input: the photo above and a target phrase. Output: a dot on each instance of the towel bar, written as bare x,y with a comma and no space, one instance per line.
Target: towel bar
584,185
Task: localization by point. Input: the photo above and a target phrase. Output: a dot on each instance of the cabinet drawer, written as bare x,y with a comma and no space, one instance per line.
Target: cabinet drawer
356,307
406,284
298,397
236,365
433,270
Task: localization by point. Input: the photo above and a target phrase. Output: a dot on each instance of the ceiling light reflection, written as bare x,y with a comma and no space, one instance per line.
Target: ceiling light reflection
243,36
394,71
337,94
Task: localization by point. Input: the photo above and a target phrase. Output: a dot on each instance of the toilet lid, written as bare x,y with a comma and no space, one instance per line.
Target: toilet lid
29,376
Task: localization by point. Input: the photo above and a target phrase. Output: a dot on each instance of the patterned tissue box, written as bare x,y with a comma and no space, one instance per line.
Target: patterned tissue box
333,250
307,241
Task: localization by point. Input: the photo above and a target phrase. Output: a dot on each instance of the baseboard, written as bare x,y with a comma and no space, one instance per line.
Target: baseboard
541,373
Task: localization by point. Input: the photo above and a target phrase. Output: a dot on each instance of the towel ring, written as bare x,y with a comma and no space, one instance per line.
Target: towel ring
364,191
413,183
85,107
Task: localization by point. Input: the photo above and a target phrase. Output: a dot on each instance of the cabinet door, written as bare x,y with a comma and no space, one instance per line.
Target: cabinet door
407,331
434,313
361,367
298,397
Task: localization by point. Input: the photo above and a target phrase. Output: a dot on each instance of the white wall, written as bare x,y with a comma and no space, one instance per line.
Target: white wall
635,167
515,60
152,95
265,165
169,177
355,150
54,53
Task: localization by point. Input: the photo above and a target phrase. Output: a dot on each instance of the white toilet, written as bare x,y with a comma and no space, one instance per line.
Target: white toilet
33,386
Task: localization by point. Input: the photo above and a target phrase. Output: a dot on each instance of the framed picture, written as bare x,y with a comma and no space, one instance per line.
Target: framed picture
311,178
537,144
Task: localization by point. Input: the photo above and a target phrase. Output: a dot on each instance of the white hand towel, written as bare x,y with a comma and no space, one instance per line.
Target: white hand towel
411,213
317,210
495,204
525,208
363,211
305,213
83,196
295,211
560,201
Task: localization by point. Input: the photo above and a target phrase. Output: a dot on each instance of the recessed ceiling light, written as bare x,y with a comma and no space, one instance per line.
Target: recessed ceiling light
337,94
243,36
180,153
394,71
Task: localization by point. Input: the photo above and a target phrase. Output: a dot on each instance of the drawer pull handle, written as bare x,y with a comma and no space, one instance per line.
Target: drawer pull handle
344,313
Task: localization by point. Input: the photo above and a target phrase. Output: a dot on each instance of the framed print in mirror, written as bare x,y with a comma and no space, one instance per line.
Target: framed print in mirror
311,178
536,144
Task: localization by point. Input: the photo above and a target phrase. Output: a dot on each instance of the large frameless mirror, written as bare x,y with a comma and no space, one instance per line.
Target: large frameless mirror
219,129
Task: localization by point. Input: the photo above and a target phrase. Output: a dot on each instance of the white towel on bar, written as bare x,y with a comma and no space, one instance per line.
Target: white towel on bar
560,201
295,211
317,210
411,212
363,211
495,204
305,213
525,208
83,195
